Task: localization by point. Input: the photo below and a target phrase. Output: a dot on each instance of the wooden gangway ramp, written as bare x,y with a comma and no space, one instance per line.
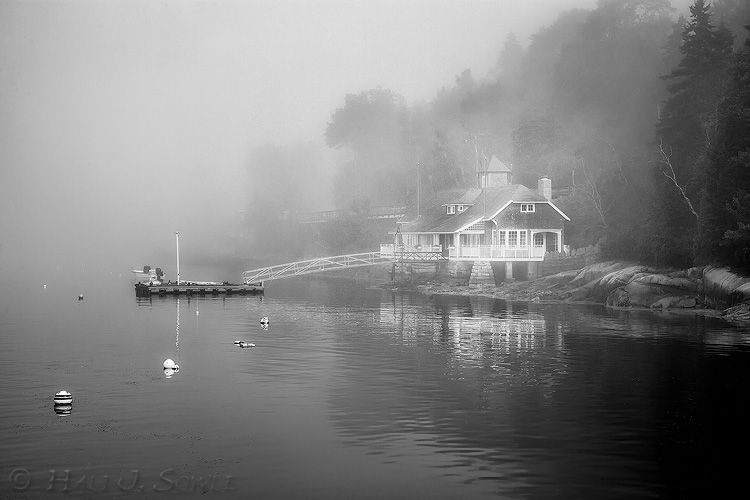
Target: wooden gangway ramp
256,276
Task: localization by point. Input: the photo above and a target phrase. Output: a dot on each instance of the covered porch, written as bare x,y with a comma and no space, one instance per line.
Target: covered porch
505,245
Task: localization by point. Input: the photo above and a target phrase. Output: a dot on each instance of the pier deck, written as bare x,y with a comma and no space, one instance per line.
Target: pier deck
145,290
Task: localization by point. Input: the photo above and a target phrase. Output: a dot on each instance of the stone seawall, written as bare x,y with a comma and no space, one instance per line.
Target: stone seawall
455,272
463,273
579,258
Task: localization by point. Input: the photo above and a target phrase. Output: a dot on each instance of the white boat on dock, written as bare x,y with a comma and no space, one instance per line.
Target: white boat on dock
155,276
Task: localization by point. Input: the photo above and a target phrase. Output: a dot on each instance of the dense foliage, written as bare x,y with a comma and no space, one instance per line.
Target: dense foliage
639,115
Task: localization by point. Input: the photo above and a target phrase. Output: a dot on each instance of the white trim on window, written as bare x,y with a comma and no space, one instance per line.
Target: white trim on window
527,207
451,209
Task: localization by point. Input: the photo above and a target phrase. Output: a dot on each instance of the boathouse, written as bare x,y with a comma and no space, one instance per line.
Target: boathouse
495,222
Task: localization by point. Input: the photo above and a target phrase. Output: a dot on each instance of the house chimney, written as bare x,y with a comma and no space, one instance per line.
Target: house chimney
544,187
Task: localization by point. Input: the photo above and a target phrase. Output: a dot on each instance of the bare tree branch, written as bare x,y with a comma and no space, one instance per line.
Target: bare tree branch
666,160
618,162
593,193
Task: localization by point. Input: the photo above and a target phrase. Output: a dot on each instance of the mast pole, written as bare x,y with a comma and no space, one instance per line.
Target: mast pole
177,238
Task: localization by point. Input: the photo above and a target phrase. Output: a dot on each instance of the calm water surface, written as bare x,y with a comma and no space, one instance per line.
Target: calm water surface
362,393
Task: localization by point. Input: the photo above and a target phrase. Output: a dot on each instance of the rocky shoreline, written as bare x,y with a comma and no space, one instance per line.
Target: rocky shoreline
708,291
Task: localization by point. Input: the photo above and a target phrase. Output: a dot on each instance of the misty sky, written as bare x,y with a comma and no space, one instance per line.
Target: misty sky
123,121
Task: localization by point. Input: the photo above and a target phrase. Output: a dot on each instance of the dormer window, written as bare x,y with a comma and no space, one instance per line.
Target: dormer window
460,208
451,209
527,207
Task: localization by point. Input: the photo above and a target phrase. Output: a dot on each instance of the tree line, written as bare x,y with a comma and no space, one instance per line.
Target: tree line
641,115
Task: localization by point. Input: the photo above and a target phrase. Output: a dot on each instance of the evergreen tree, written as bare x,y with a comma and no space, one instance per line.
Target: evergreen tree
725,201
685,130
509,62
695,88
671,51
735,15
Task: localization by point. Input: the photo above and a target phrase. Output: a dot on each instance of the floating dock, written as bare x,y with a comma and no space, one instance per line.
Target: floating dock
189,289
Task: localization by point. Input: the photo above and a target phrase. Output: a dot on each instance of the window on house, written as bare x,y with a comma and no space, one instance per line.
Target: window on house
460,208
469,240
522,238
538,240
451,209
501,238
527,207
512,238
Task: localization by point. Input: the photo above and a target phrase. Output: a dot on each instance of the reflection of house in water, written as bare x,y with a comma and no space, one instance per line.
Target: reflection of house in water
479,333
473,325
456,376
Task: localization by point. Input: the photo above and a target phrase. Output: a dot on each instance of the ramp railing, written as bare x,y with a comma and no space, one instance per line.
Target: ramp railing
314,266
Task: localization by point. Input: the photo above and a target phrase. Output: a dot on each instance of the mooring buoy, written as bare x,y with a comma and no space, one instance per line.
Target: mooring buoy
264,321
80,296
63,410
169,364
63,398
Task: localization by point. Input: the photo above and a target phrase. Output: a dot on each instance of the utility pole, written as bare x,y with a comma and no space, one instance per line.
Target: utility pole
419,185
476,161
484,191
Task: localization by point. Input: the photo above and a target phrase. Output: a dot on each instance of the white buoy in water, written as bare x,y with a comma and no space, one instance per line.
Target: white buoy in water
169,364
63,398
246,344
264,321
80,296
45,287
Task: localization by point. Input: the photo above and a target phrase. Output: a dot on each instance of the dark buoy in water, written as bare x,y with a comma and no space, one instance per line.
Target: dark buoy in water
80,296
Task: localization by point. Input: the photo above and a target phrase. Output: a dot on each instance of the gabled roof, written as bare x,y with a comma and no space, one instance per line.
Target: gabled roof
497,166
485,205
465,197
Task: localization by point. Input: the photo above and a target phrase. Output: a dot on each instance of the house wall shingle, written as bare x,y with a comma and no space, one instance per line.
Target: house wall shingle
544,217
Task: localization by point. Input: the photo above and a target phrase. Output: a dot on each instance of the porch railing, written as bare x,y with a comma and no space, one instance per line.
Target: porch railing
470,252
496,252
